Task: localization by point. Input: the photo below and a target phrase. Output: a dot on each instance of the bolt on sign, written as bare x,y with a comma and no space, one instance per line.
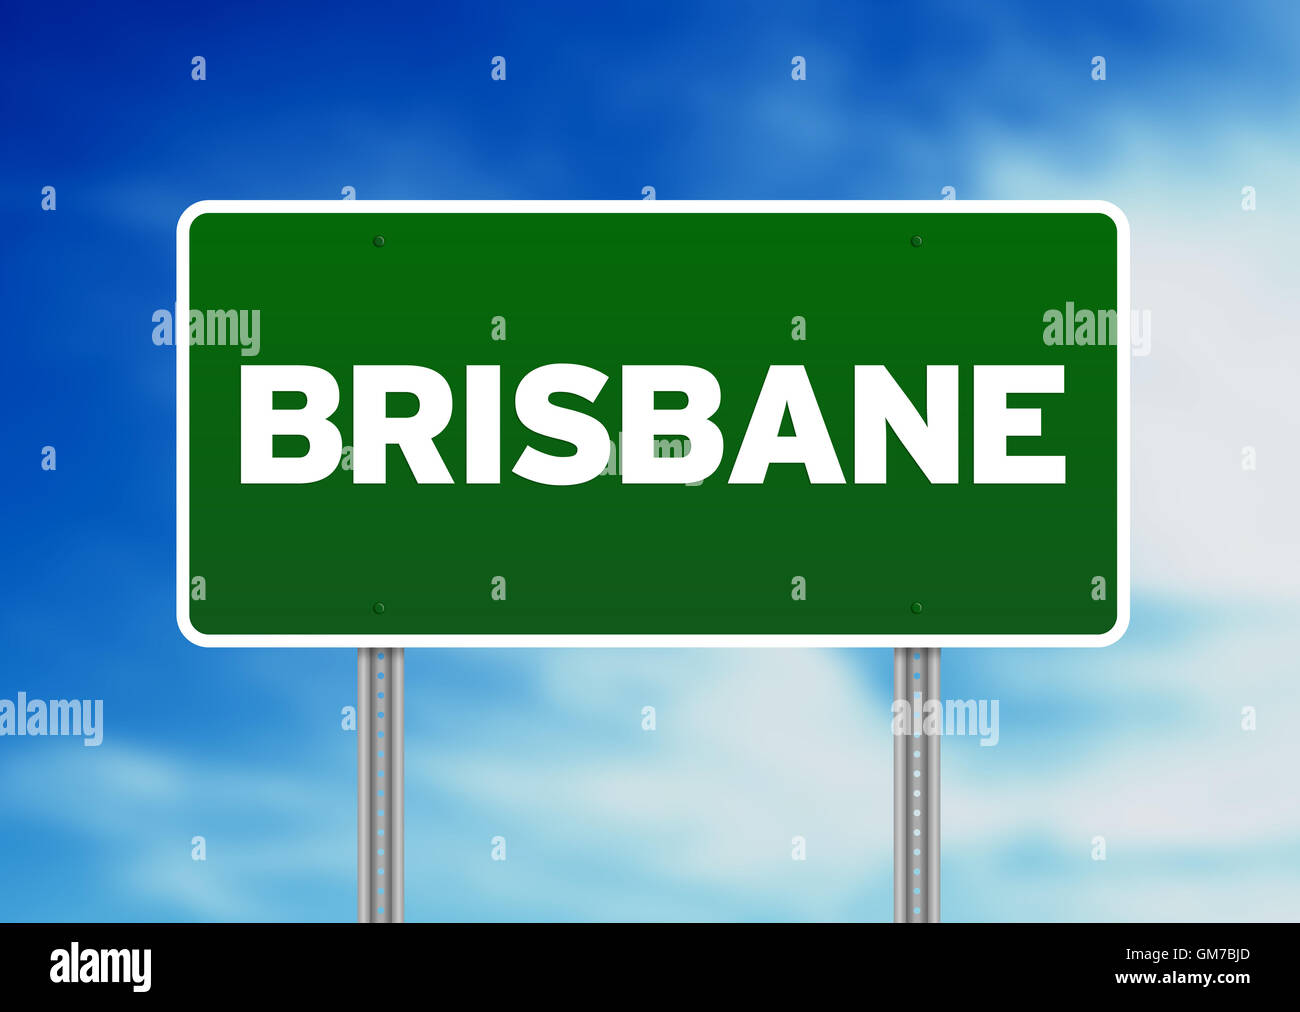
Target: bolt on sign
731,423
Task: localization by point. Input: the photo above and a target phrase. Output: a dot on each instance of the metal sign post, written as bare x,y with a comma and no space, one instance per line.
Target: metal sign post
916,789
380,775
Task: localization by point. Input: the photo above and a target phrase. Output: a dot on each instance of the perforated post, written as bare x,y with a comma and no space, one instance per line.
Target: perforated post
380,775
916,789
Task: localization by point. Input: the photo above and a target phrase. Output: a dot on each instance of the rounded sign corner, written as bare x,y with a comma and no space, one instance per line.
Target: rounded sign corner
199,639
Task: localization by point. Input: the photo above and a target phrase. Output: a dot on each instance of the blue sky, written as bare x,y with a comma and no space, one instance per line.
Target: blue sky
1140,743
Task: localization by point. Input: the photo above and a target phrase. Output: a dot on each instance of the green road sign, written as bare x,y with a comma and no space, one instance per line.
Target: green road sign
652,423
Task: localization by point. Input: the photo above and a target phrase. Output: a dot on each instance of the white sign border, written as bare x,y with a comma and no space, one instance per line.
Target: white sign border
1123,394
